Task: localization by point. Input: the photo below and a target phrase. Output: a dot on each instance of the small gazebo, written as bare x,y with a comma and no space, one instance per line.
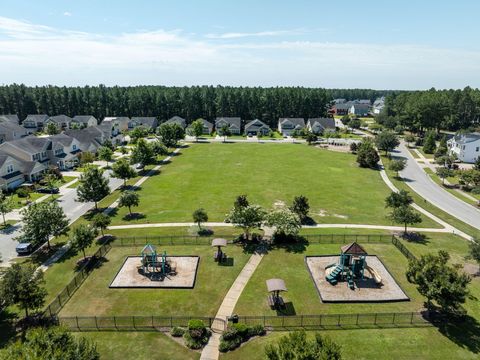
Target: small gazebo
219,254
274,286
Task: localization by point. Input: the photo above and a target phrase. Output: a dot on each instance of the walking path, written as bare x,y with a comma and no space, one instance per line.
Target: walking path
210,351
445,229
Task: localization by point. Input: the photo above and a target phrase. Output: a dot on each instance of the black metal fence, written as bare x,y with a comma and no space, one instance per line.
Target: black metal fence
132,323
207,240
339,321
403,249
61,299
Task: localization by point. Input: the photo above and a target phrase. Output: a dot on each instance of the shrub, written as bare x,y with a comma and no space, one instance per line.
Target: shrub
177,331
197,335
476,191
23,192
236,334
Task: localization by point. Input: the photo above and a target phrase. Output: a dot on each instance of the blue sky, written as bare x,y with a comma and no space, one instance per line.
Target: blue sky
375,44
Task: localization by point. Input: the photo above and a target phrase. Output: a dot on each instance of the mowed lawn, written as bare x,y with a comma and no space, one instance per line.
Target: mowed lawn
94,297
290,266
210,176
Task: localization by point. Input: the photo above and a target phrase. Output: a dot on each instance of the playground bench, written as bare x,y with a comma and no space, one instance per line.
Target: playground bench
275,301
220,257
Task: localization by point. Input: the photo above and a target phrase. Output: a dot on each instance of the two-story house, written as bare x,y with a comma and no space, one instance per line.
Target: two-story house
83,121
119,123
11,172
61,121
10,131
177,120
466,147
34,123
321,125
63,151
234,124
287,126
149,123
257,127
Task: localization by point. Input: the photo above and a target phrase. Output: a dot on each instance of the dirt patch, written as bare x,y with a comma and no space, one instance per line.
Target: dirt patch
472,269
322,213
279,204
340,216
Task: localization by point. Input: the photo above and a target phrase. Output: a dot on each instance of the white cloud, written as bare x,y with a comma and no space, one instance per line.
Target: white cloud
37,54
66,13
238,35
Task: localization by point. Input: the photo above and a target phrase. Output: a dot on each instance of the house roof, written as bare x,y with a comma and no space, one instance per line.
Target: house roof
29,144
206,123
176,120
353,249
37,117
63,139
343,106
296,122
361,106
325,123
235,121
467,138
60,119
12,118
88,136
116,118
145,121
10,126
256,124
83,119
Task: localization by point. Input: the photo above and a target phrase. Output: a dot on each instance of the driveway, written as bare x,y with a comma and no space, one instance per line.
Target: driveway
421,183
73,210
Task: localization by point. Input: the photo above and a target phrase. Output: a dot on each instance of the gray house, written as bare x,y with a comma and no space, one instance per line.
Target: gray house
12,118
321,125
10,131
33,123
359,109
149,123
286,126
207,126
63,151
177,120
233,123
83,121
61,121
256,127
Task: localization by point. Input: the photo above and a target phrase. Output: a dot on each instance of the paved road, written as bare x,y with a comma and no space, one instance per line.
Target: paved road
421,183
73,209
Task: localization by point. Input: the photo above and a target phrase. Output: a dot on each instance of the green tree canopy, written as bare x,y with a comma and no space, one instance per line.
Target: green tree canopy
285,222
438,281
246,217
474,250
142,153
105,154
22,285
129,199
397,166
367,155
82,237
429,144
101,221
301,207
93,185
50,343
443,173
171,134
199,216
5,205
122,170
41,221
405,215
387,140
397,199
196,129
224,131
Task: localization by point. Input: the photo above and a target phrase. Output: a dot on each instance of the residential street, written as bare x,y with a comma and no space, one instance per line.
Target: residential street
420,182
73,209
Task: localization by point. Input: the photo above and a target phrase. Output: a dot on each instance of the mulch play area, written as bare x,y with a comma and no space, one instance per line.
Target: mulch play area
183,275
365,290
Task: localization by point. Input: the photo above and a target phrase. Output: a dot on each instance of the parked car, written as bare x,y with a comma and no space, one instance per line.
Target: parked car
46,190
24,248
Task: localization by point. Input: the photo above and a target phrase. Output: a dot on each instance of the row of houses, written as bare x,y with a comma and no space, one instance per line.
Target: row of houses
286,126
362,107
26,159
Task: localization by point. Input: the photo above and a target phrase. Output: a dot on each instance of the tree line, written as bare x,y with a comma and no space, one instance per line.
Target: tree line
433,109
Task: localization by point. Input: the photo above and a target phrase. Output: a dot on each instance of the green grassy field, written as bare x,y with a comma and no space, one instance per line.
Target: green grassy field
94,297
212,175
289,265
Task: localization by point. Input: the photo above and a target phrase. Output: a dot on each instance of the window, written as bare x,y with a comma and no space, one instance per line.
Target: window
36,156
58,151
477,149
74,147
44,154
10,169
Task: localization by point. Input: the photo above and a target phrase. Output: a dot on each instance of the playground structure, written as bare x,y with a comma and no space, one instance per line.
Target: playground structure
154,266
219,255
351,266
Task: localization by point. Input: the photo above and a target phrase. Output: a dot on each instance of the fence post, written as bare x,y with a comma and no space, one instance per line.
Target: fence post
338,321
357,319
411,318
263,320
301,321
96,322
393,320
76,320
375,321
152,322
115,322
320,323
134,326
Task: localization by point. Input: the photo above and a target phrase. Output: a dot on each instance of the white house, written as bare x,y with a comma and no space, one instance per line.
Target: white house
466,147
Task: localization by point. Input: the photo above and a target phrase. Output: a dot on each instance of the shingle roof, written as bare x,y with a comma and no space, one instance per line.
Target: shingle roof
30,144
10,126
236,121
467,138
83,119
60,119
325,123
177,120
295,121
13,118
148,121
353,249
255,124
63,139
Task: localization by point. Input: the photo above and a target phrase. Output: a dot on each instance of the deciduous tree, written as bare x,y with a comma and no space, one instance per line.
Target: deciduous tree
122,170
199,216
101,221
246,217
405,215
300,206
93,186
83,236
129,199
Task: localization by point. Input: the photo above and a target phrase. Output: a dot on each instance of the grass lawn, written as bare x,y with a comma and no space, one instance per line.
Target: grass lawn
290,266
7,223
373,344
67,179
428,156
18,202
175,231
138,346
95,298
212,175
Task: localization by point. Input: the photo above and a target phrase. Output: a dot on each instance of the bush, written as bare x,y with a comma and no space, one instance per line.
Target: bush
177,331
476,191
23,192
197,335
196,324
236,334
